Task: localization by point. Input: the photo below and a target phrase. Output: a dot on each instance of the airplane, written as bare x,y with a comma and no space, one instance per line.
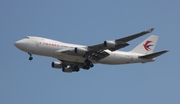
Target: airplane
73,57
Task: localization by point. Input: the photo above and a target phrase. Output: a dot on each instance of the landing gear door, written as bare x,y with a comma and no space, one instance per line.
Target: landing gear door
37,47
38,44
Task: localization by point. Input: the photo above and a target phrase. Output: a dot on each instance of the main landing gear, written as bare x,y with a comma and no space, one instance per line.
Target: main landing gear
88,64
30,56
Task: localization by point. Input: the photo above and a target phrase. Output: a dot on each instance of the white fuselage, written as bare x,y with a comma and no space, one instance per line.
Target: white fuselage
51,48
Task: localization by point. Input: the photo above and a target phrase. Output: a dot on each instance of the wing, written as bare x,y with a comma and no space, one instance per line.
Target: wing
96,52
118,43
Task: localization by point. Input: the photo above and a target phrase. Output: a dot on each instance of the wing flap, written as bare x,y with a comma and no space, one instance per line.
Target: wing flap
98,55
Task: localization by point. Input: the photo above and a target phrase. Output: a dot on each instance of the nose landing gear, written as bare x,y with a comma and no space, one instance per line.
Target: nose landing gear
30,56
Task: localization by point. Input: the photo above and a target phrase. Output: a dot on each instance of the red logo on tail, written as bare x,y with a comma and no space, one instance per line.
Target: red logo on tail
147,45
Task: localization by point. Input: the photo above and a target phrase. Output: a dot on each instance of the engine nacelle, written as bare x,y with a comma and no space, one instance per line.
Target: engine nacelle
110,44
68,69
56,64
80,51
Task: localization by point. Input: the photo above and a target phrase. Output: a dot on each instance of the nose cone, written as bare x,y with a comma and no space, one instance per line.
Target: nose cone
16,44
19,44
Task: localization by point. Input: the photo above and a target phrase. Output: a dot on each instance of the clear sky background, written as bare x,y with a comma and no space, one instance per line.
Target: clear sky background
88,23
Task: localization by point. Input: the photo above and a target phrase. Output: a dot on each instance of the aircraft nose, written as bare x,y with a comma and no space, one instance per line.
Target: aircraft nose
19,43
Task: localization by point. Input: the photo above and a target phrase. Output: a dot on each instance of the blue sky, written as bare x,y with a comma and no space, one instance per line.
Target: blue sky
89,22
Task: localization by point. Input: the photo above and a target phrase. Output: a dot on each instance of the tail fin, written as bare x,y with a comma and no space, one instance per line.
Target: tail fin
147,46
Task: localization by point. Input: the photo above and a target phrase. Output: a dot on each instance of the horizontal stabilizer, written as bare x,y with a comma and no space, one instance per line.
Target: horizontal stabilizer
153,55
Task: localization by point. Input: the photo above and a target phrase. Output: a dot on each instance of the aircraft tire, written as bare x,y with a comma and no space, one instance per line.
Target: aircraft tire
30,58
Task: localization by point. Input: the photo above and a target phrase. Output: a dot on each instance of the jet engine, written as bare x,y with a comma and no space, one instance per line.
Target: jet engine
113,44
80,51
110,44
70,68
56,64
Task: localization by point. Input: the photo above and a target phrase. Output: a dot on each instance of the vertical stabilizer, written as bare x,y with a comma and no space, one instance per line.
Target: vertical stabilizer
147,46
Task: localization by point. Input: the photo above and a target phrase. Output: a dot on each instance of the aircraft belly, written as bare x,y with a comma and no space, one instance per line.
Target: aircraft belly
111,61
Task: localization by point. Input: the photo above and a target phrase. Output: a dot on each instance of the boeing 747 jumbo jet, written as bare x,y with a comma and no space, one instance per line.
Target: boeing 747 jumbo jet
72,57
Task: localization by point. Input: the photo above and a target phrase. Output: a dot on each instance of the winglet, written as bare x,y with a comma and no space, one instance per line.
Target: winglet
150,30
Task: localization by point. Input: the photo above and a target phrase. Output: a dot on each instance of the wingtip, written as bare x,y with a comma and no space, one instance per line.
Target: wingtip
166,50
150,30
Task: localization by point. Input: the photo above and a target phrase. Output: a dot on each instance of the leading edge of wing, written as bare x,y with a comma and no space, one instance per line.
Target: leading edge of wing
131,37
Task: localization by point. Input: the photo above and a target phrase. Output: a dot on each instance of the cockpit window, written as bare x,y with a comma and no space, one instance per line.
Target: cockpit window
27,37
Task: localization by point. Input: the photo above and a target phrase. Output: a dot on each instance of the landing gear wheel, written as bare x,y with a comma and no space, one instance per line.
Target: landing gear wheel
86,67
88,64
91,65
30,58
63,69
76,68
